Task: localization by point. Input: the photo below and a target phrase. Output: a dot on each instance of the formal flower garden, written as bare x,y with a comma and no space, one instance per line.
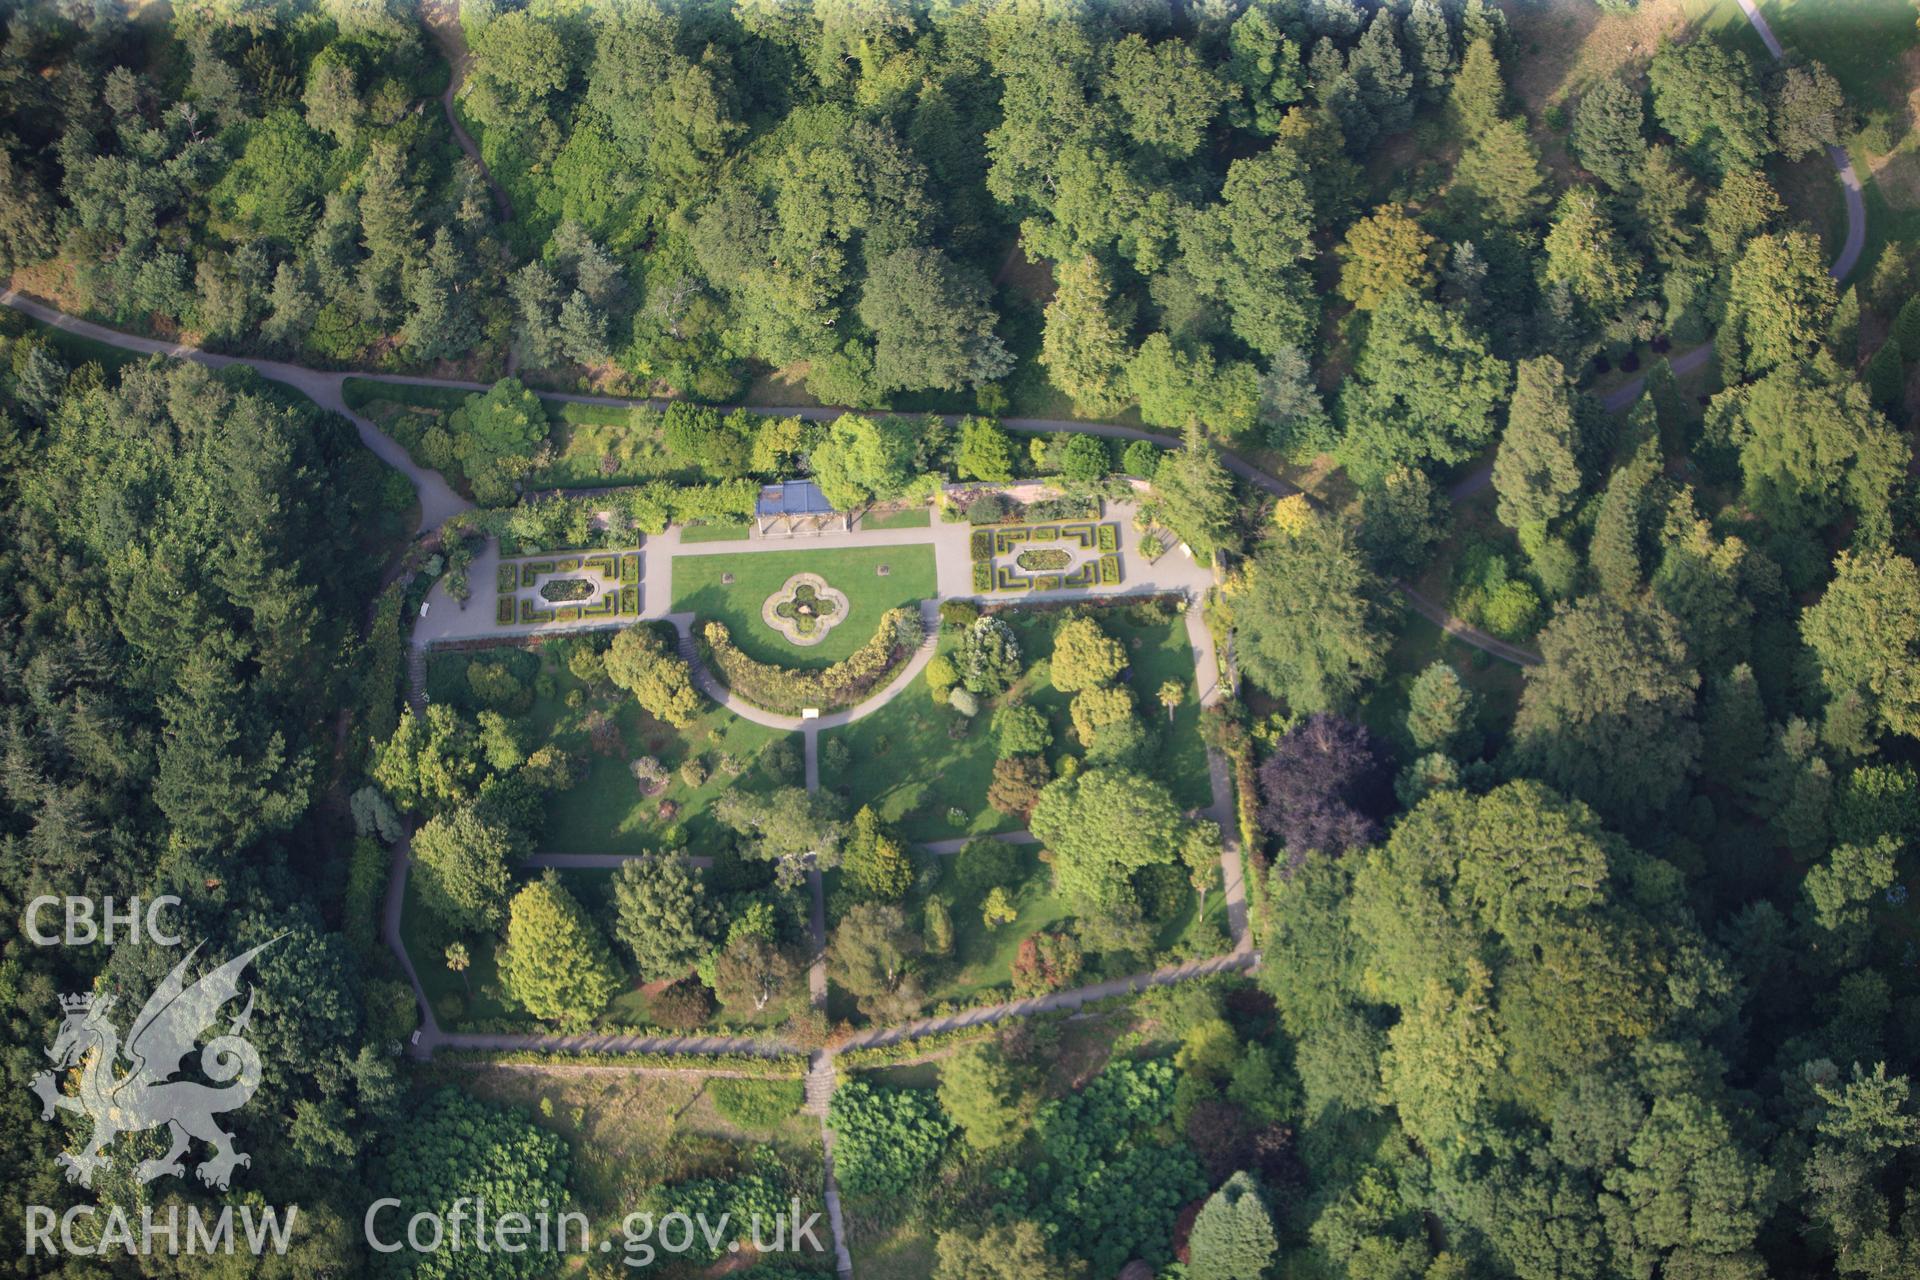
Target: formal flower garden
1045,557
567,588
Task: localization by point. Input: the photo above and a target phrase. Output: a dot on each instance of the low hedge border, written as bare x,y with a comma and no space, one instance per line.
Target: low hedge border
781,1066
784,690
890,1055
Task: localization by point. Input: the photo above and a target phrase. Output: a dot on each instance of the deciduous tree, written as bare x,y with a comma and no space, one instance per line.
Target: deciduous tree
1609,715
1385,253
1865,632
659,679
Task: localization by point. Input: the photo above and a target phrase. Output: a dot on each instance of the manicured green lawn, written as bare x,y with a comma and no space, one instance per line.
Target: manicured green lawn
698,589
908,766
715,533
911,518
981,967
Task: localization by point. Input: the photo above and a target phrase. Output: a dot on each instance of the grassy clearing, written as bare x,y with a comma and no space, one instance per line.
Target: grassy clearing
907,764
1419,644
981,967
757,1106
1871,48
698,589
1869,45
915,1075
715,533
905,1253
911,518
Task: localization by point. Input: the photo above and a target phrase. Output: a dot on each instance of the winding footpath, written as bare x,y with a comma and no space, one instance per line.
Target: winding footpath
442,20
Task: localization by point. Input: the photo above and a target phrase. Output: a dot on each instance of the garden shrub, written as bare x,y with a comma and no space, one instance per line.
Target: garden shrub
1046,962
988,508
958,613
940,676
980,544
684,1005
982,864
885,1140
366,885
1492,597
756,1104
786,690
736,1201
983,576
1140,459
1112,1184
1163,890
780,761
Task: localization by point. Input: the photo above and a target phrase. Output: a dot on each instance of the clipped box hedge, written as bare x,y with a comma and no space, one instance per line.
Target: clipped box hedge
845,683
1109,537
504,613
980,544
780,1065
983,575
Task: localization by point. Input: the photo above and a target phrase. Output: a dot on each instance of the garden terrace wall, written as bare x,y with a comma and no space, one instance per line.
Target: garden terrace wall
845,683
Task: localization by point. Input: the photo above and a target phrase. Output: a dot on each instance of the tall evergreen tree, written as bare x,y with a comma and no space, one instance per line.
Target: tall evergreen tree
1233,1238
1536,472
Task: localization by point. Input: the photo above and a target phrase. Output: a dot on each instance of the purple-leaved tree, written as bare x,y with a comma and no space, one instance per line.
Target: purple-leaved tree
1324,788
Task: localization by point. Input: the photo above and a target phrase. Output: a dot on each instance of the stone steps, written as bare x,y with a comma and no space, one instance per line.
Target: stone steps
821,1080
417,679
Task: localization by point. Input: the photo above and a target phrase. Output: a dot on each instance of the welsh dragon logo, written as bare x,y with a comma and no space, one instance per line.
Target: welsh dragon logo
146,1097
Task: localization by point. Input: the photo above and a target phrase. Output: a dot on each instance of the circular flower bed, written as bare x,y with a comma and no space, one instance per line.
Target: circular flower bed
804,609
1048,560
560,590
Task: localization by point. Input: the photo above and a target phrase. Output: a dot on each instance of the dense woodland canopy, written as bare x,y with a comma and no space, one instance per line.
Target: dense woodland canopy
1603,970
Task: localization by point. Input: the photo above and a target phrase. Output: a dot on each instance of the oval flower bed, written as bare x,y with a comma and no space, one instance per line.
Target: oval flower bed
1047,560
557,590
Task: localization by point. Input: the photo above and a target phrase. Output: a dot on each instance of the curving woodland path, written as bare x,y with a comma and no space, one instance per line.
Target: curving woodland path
442,20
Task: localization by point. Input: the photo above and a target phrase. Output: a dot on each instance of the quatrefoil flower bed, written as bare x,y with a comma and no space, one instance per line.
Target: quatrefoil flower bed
804,609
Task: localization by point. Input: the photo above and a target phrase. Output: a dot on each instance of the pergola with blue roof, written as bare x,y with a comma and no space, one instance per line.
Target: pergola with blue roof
795,507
